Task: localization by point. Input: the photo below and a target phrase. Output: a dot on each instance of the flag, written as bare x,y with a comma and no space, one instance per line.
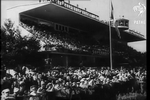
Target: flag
112,18
112,11
116,26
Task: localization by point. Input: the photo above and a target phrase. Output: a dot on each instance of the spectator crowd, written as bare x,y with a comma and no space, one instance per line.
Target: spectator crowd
86,83
71,42
72,83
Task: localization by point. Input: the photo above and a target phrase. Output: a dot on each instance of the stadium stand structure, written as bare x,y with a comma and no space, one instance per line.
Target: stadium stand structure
73,36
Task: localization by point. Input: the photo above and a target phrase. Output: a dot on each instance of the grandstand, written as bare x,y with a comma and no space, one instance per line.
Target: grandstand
72,35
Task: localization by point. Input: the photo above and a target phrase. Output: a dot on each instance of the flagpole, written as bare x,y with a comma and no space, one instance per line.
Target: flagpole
110,41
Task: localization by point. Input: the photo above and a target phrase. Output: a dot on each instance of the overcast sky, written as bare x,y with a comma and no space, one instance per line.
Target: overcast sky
101,8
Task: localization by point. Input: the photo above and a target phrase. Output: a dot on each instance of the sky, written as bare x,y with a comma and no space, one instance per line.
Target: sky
101,8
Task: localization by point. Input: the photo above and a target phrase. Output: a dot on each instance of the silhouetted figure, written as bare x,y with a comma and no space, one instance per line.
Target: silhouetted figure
81,64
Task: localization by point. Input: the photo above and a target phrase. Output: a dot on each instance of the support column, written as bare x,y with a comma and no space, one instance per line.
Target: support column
66,61
81,61
94,61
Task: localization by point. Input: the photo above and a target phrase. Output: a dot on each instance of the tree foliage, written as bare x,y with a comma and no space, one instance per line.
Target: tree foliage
15,47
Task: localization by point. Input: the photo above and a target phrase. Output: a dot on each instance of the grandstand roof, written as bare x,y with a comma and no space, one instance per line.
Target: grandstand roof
60,14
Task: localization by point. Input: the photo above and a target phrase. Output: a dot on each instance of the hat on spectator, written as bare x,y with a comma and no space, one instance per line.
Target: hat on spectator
5,91
59,79
21,82
33,88
83,79
16,89
42,83
49,84
33,93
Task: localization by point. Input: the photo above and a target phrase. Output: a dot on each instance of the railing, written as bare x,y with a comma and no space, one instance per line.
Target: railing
136,33
76,9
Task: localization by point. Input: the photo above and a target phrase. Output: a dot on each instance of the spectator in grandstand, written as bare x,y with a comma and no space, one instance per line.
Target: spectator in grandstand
6,95
68,42
33,93
50,91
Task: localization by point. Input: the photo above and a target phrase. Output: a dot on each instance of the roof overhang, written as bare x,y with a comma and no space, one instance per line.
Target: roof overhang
59,14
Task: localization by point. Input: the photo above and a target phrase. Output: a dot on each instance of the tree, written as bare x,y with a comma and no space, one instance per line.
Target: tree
15,47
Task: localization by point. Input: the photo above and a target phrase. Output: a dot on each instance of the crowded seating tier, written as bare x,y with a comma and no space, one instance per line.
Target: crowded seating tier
61,41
